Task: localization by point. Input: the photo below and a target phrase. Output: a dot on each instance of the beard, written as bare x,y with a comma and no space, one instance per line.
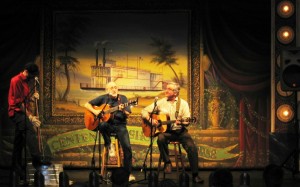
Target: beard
113,94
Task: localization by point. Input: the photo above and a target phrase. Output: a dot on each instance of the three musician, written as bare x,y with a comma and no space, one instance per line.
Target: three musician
176,108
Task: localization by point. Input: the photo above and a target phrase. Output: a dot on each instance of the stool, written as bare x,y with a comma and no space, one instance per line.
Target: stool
177,155
104,162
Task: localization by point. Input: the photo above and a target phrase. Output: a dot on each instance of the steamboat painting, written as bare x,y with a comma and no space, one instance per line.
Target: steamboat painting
141,52
127,78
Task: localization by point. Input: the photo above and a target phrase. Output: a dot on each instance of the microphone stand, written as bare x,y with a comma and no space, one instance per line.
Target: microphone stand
26,183
99,116
150,176
93,176
144,169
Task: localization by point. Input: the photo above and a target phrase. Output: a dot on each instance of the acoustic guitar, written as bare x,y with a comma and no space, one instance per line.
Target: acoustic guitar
91,121
164,122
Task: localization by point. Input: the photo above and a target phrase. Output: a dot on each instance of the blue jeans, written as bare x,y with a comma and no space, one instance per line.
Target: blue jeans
123,136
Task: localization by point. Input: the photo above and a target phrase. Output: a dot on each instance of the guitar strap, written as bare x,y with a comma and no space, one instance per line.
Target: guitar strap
108,99
176,115
177,107
119,100
106,102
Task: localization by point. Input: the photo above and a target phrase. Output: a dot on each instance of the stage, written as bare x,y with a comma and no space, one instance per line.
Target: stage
256,178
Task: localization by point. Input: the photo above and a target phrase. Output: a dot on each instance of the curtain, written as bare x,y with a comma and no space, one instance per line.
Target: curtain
236,37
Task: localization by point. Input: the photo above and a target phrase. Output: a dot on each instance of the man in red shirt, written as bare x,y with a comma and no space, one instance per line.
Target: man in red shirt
26,123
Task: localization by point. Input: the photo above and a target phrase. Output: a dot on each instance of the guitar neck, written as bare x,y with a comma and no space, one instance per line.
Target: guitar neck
115,108
173,121
111,110
167,122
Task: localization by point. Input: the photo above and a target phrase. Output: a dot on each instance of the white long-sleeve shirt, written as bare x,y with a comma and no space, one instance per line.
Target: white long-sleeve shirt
163,106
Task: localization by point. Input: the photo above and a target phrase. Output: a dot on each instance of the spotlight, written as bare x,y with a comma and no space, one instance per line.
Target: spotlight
285,9
285,113
285,35
290,69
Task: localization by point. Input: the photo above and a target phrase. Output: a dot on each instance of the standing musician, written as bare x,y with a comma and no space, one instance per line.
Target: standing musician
26,123
176,109
117,122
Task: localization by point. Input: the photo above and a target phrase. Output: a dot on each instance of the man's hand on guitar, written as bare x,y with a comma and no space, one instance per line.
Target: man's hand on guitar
153,121
35,96
121,107
183,121
98,114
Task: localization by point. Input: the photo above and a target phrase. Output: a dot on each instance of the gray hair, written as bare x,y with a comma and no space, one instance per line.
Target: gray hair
176,86
109,86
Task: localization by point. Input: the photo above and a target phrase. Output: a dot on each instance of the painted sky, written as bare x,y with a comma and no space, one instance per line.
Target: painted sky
127,35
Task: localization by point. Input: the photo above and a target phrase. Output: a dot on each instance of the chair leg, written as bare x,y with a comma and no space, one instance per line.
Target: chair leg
159,165
104,161
118,152
181,159
176,160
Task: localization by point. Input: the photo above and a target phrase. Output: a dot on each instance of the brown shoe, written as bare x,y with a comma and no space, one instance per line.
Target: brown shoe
168,168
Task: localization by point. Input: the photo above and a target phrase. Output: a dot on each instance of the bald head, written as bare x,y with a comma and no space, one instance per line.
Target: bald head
112,89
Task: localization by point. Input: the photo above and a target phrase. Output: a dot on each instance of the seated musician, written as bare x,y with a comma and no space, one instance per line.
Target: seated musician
116,123
177,109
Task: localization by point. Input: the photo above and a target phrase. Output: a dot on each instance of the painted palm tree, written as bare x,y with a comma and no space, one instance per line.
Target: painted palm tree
164,54
68,35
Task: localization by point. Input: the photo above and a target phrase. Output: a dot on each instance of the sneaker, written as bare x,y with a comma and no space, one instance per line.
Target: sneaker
111,150
197,179
131,178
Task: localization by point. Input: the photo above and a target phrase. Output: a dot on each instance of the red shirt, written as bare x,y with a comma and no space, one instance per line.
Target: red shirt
18,91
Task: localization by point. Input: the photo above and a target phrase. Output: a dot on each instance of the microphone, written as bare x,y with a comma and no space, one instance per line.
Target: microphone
37,80
155,100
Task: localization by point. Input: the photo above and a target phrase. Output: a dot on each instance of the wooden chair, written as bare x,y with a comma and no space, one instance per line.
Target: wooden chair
178,157
105,156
